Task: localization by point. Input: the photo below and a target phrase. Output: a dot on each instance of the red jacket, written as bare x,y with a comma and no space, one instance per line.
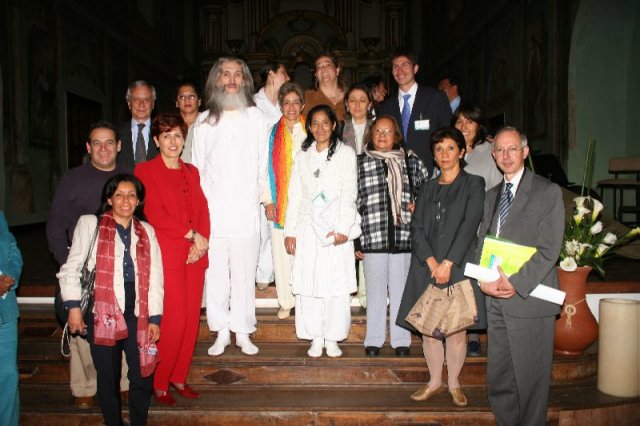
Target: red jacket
174,205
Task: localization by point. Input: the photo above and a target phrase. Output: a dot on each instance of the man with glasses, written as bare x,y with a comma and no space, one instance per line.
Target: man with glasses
418,109
528,210
78,194
137,144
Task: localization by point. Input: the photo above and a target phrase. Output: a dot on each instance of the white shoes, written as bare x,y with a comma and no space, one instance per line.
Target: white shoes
222,341
244,343
333,350
315,351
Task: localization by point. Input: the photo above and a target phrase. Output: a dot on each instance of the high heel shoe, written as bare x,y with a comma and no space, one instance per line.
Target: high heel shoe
427,392
458,397
164,397
186,391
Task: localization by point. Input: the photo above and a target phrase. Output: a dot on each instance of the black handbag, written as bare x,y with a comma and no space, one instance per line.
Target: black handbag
87,284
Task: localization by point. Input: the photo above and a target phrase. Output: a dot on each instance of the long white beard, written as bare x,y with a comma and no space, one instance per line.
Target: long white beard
233,101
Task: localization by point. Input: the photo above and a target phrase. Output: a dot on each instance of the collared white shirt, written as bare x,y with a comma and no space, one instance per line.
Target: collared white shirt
146,131
271,112
412,91
455,103
515,181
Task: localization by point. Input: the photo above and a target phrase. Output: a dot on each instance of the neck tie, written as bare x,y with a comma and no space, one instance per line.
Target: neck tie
406,114
141,146
505,203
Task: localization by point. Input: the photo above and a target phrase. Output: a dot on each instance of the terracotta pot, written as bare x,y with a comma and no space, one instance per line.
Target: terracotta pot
576,328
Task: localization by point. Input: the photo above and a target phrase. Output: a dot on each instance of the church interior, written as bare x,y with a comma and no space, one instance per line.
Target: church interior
565,72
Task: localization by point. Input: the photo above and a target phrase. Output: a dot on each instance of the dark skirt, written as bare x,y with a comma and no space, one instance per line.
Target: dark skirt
417,283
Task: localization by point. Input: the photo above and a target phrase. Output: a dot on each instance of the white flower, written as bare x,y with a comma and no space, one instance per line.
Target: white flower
582,248
580,212
571,247
568,264
597,208
610,238
602,249
580,201
596,228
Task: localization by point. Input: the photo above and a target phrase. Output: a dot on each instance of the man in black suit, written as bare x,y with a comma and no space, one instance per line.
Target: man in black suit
135,134
450,87
428,108
528,210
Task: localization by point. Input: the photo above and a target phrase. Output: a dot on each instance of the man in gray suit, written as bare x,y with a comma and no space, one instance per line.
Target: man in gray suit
528,210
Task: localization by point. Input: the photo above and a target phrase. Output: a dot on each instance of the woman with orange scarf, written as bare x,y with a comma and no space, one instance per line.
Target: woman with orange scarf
127,302
284,143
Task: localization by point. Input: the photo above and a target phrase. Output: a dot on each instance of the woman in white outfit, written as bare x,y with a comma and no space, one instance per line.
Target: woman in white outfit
285,140
274,75
320,225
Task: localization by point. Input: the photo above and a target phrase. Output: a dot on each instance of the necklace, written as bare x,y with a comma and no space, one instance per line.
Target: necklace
445,181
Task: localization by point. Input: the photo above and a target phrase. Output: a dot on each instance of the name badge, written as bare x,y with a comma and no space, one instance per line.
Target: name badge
421,124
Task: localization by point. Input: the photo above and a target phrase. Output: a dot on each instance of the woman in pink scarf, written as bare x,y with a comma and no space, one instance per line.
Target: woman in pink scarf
127,303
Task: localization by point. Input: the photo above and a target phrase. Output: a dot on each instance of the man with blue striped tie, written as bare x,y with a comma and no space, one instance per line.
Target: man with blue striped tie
419,109
528,210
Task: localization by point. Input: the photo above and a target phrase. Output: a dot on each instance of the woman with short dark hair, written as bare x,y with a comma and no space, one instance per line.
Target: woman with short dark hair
443,238
177,209
389,179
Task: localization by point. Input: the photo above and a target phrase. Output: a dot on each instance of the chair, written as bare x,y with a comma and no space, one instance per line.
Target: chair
623,166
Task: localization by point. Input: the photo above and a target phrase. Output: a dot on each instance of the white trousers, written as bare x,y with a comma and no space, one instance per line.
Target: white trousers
282,269
385,275
230,282
323,317
264,273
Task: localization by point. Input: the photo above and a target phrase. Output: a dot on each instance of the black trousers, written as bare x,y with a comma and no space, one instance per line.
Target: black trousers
108,363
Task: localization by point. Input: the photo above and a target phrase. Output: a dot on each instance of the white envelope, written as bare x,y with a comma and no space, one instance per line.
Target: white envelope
541,291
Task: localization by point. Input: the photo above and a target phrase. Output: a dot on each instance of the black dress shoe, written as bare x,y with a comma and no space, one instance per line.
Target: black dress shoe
402,351
473,349
372,351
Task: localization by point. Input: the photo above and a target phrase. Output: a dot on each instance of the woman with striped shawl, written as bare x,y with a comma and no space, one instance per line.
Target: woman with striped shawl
285,140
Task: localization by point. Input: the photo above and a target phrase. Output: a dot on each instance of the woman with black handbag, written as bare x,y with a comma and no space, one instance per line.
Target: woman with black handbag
128,295
443,237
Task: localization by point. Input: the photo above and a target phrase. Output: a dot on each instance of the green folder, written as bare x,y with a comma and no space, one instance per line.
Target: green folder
511,256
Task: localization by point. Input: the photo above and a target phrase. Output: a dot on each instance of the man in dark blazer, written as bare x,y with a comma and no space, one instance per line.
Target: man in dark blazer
521,327
141,98
428,108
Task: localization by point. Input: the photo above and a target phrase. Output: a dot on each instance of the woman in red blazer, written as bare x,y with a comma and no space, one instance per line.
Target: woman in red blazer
177,209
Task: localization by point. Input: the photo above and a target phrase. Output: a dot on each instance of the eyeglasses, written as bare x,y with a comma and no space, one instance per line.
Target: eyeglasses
511,150
190,97
381,131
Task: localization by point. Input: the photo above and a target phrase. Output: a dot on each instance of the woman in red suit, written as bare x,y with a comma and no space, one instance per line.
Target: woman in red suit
177,209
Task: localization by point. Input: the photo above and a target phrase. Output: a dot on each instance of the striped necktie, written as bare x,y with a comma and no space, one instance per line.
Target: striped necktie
505,203
141,148
406,115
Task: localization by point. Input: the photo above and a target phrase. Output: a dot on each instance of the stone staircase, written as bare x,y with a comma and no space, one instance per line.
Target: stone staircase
282,385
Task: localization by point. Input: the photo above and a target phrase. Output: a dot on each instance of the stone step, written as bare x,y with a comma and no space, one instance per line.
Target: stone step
39,322
577,404
288,364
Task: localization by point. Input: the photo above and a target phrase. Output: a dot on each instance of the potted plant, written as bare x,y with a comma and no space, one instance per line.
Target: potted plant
585,246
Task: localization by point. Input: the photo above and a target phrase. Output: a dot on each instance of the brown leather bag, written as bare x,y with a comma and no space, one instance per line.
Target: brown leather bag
442,311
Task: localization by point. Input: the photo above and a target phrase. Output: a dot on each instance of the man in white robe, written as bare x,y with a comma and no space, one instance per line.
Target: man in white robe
230,148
